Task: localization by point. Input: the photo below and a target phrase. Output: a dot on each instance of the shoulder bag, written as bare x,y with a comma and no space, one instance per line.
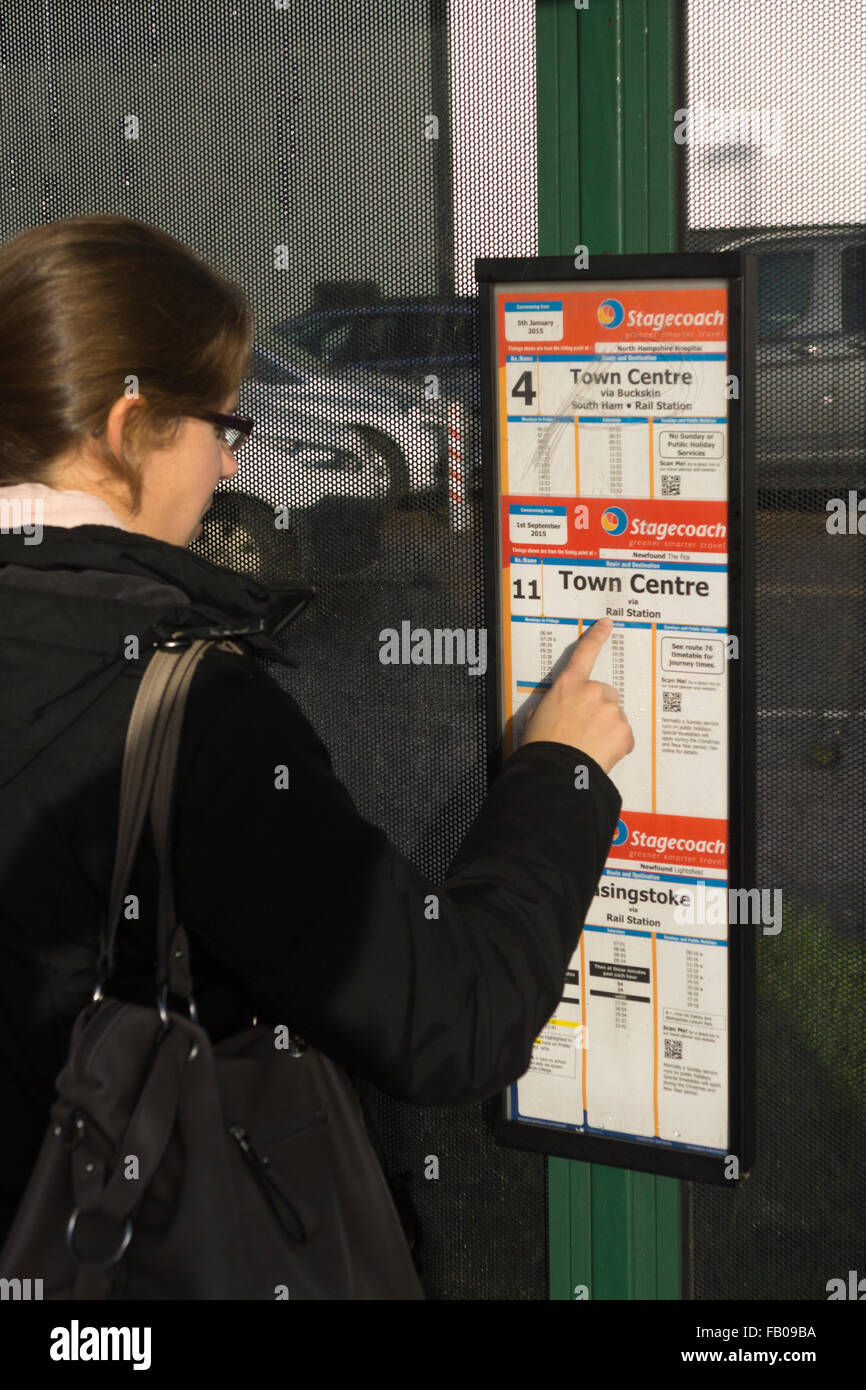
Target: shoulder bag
174,1168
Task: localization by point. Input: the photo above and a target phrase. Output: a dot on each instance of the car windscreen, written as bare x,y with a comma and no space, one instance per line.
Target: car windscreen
391,338
784,290
271,370
854,288
459,336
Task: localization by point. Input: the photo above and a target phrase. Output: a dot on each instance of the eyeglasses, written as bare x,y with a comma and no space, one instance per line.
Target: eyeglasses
235,429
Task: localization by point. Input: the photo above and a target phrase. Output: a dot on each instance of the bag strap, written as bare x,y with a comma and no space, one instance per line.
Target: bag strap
149,763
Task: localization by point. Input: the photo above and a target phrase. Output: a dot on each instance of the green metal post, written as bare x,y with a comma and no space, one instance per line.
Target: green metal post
607,179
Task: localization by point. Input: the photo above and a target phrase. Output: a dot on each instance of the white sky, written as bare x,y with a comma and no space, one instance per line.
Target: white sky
807,58
495,191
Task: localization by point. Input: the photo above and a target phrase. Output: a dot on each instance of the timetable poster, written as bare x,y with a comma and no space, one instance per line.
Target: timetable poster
613,459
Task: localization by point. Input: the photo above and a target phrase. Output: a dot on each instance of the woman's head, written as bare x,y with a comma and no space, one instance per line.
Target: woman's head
114,337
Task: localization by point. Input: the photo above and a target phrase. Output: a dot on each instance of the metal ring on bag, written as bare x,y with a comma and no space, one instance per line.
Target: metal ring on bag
105,1264
193,1018
162,1005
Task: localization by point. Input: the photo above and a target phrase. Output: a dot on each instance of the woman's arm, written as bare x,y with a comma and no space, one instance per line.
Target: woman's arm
434,993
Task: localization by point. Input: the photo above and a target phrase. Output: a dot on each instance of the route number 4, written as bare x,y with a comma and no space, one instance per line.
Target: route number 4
523,388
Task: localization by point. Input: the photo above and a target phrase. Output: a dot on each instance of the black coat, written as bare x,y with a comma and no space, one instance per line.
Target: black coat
298,909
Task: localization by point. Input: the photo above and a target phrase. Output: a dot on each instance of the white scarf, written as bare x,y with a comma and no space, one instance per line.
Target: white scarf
25,505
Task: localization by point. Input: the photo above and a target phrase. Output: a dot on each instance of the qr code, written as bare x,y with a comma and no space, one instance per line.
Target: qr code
674,1048
672,701
671,484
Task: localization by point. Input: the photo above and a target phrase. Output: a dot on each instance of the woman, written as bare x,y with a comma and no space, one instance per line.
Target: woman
119,346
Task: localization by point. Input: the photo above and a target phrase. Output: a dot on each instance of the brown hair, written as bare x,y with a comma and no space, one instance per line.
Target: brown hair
88,302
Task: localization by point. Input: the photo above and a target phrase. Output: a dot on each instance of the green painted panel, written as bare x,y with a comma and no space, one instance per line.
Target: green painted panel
606,81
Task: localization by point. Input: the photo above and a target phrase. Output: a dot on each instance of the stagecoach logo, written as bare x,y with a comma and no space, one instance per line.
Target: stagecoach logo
614,521
621,834
610,313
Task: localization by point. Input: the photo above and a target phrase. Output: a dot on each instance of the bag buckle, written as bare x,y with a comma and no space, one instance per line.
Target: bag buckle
169,638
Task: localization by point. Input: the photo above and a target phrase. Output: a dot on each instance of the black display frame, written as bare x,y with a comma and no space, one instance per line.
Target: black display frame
739,269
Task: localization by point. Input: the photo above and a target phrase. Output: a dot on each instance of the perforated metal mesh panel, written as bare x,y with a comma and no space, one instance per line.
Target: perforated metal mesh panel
349,156
352,158
799,1221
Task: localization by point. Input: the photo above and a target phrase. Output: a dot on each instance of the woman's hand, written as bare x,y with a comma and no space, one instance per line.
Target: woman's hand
582,712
